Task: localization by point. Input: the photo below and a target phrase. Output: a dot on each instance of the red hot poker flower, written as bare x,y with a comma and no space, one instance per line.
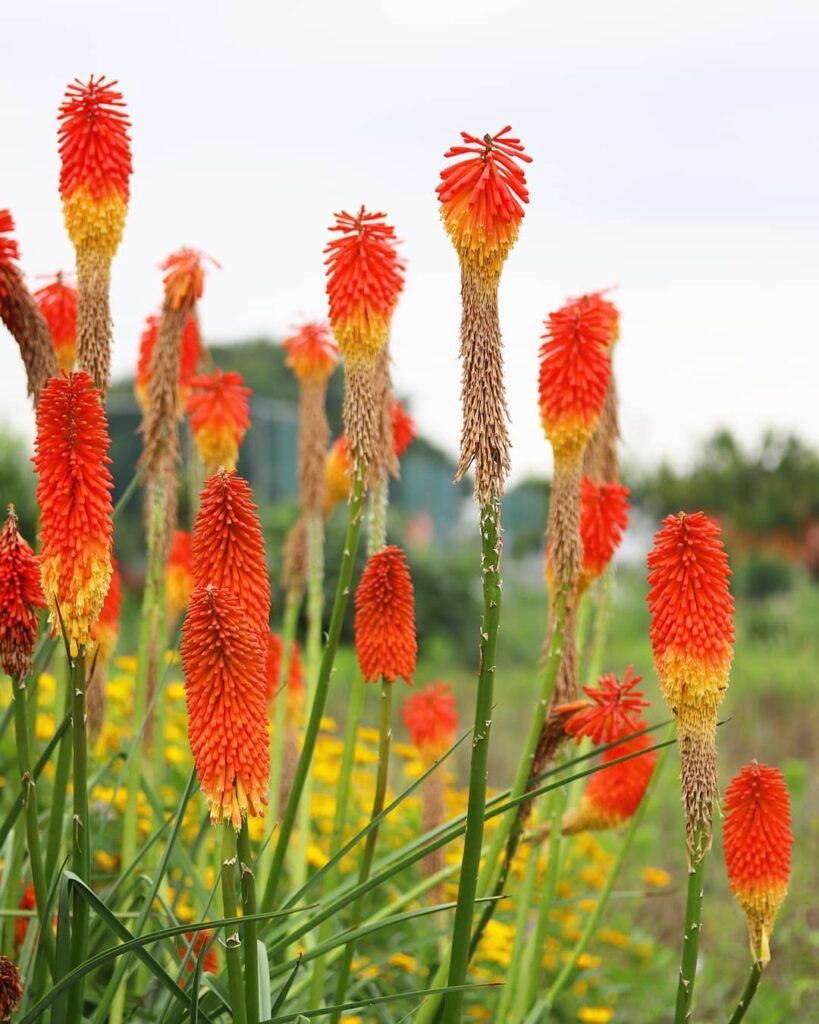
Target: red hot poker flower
20,597
403,428
294,686
758,840
105,631
58,304
598,302
228,547
431,719
179,573
364,279
385,618
189,356
312,354
9,249
613,709
223,662
184,278
338,469
613,794
481,199
74,494
192,948
220,416
574,375
603,520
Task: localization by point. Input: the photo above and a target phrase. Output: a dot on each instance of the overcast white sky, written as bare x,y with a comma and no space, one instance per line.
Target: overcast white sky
676,155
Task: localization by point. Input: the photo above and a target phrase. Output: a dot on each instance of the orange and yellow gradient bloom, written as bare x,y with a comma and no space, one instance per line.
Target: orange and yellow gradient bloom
312,354
20,597
74,495
223,661
385,640
179,573
757,837
219,416
338,474
58,304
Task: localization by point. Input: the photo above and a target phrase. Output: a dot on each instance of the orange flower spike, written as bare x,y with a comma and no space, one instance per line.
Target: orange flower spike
481,200
95,151
574,375
295,681
364,279
403,429
58,304
189,356
228,547
192,948
179,573
184,279
613,793
74,495
106,629
604,512
338,469
692,612
21,596
312,354
223,661
612,710
757,837
431,720
219,414
385,618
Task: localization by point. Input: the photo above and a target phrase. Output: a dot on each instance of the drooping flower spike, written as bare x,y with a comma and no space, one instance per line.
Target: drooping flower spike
604,512
312,354
613,709
20,313
74,495
20,598
692,635
757,837
613,793
431,719
189,357
95,152
385,639
179,574
223,661
228,548
58,304
219,414
482,200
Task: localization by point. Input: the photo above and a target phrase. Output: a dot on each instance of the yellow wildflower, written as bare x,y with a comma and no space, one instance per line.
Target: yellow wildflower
595,1014
44,726
405,962
614,938
658,877
106,861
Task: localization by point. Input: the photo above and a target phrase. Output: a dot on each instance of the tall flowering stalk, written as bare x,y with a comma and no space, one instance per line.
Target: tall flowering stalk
20,312
21,597
76,534
387,648
58,304
757,838
95,153
692,635
481,200
219,414
191,353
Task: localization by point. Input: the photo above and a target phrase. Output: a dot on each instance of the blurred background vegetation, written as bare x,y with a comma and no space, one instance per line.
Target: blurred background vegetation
767,499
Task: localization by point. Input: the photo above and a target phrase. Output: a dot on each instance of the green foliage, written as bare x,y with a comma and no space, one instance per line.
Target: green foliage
17,483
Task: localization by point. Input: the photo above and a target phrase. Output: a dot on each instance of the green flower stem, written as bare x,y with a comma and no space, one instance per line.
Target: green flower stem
594,917
601,626
493,863
160,711
315,613
249,930
693,926
61,773
12,894
233,955
339,821
748,994
80,830
534,967
384,742
476,803
345,579
35,853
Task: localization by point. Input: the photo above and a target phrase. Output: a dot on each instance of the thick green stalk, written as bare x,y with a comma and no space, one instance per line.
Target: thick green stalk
691,938
384,741
11,896
594,917
476,804
339,822
345,579
81,829
160,708
249,930
35,853
748,993
315,614
233,944
62,771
